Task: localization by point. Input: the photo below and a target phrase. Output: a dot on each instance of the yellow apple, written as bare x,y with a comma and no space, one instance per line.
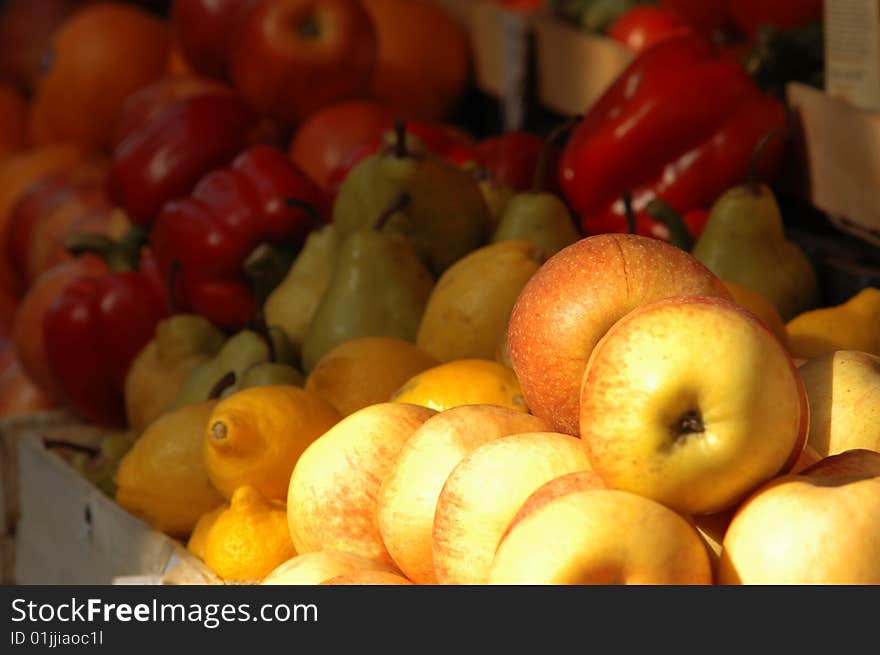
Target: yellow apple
692,402
318,566
819,526
843,388
331,500
572,300
409,493
484,492
601,536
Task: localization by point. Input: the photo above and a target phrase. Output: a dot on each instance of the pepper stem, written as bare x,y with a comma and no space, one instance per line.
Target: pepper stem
629,212
539,184
121,256
679,235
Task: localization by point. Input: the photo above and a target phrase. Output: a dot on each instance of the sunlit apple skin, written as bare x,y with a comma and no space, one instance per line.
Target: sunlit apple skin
575,297
844,393
692,402
818,527
601,537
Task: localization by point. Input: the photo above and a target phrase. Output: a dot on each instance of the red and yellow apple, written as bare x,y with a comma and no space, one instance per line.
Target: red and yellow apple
332,496
692,402
817,527
409,493
843,388
318,566
575,297
484,492
601,536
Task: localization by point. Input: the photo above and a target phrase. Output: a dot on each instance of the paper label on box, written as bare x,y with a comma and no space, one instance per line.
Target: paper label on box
852,51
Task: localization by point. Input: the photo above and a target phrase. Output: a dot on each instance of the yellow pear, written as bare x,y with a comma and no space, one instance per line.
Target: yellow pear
467,312
853,325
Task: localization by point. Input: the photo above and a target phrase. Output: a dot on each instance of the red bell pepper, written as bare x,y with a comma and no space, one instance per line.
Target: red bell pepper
680,124
210,234
167,156
93,331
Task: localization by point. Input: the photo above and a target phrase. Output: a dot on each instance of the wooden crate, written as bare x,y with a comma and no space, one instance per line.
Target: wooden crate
840,160
574,68
68,532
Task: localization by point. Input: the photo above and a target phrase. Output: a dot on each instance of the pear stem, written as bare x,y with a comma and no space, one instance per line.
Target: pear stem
222,385
679,234
400,149
173,276
539,184
629,211
60,443
307,207
753,181
399,203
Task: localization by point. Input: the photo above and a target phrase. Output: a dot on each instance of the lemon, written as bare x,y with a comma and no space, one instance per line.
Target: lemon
163,479
255,437
463,382
249,539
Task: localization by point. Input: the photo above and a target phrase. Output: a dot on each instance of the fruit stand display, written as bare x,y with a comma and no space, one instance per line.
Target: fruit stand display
399,292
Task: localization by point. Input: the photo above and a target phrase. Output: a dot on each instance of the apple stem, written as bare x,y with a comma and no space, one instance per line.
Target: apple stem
629,212
399,203
690,423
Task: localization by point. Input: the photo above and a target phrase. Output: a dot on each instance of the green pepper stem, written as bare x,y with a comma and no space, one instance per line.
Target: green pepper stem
629,212
539,184
121,256
679,235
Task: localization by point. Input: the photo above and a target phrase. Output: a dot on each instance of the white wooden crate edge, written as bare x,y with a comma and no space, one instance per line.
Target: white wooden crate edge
842,158
70,533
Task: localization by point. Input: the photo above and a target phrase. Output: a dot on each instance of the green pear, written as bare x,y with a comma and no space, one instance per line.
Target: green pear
446,218
541,218
239,353
292,304
380,287
744,242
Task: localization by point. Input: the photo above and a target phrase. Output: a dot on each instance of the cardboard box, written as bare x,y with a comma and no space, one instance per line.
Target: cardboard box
852,51
68,532
840,159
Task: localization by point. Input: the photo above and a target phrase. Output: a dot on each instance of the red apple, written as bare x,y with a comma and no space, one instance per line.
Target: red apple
292,57
26,27
513,158
204,29
572,301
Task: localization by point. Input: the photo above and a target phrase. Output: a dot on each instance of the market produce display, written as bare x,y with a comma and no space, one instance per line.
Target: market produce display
333,333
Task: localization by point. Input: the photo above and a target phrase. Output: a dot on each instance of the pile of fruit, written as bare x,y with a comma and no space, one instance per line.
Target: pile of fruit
335,338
